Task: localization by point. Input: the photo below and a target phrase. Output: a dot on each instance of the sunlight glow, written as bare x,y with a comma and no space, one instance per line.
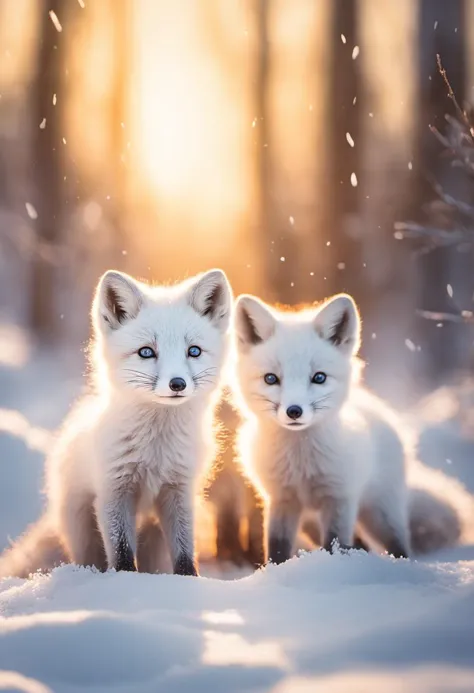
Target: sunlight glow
228,617
223,649
13,681
14,346
17,425
187,127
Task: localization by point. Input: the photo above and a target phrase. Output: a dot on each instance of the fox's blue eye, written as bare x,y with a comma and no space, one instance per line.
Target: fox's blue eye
146,353
194,351
271,379
319,378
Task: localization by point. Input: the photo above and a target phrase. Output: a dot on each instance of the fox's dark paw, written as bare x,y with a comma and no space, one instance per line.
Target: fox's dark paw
279,550
185,566
360,545
125,563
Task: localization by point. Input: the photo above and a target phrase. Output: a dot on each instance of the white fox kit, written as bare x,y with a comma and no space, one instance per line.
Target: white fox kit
135,448
314,439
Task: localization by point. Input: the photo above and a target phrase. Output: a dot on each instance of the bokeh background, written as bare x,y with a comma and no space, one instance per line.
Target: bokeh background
286,142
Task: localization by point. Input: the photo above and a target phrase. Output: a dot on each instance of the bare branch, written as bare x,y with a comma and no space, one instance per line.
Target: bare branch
438,237
466,317
462,114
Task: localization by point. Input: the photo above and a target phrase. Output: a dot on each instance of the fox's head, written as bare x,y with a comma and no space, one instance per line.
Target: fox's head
295,367
166,343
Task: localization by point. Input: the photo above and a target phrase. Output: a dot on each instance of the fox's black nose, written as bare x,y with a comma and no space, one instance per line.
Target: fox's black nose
177,384
294,411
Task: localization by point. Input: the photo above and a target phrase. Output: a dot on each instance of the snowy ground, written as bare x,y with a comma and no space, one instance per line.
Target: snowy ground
353,623
336,624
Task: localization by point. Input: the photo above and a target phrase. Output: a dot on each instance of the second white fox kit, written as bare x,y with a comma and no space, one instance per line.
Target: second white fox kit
314,438
136,446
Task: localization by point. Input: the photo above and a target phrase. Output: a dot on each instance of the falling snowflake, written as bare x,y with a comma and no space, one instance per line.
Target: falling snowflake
31,211
374,335
341,265
55,100
449,289
43,124
254,122
64,140
81,3
410,165
292,220
353,180
354,100
343,38
349,139
355,52
410,345
55,20
282,259
328,243
435,25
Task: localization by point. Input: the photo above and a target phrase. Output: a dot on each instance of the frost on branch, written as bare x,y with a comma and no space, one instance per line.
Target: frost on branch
450,220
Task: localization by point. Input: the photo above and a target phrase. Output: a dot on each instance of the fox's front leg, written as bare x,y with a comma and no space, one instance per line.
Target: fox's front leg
338,517
116,515
283,521
175,507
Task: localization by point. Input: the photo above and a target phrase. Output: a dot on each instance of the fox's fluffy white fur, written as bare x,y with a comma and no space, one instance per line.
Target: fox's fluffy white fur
316,440
133,450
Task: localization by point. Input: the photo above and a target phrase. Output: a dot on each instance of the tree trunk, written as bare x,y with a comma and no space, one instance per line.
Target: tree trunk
388,52
47,167
346,272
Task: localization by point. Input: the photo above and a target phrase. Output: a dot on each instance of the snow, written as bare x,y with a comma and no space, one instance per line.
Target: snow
31,211
352,623
342,622
55,20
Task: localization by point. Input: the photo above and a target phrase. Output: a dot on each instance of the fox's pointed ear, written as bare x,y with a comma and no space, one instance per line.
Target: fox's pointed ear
338,321
211,296
253,321
117,299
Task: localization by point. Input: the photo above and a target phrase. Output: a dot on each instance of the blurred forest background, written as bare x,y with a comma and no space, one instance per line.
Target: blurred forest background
281,141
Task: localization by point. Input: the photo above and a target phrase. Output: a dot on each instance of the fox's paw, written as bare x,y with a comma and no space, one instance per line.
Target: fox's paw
185,566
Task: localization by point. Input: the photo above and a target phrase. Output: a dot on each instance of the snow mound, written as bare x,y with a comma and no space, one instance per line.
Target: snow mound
339,624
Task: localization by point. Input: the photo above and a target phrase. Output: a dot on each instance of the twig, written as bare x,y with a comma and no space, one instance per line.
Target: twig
462,207
439,237
442,71
466,317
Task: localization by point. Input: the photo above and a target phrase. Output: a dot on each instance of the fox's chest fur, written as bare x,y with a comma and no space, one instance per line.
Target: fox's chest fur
143,445
154,445
321,461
